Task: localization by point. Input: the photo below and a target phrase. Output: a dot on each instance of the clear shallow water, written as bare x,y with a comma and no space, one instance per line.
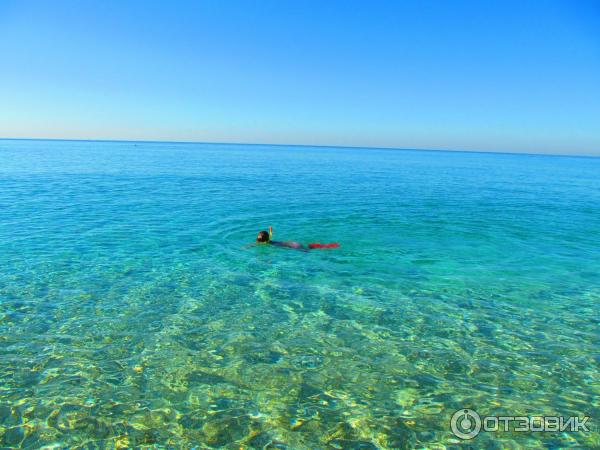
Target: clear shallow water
130,314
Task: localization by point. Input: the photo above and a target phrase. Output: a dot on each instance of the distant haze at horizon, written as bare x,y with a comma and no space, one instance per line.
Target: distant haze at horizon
506,77
288,145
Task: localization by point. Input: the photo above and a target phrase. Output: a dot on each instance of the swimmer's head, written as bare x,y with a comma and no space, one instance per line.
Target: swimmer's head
263,236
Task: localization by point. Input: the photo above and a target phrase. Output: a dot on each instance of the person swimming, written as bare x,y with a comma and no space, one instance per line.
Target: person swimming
265,237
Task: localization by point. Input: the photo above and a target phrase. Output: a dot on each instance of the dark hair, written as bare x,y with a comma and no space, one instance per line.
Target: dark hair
263,236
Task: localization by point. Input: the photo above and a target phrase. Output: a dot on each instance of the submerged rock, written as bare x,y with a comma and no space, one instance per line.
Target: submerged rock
345,444
226,430
204,378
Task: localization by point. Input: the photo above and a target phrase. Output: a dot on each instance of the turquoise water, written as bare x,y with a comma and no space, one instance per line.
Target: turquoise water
132,316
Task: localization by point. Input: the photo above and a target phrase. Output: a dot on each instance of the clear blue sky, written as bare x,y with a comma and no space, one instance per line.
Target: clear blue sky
481,75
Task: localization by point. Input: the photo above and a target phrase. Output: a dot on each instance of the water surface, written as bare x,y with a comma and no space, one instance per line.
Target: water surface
132,316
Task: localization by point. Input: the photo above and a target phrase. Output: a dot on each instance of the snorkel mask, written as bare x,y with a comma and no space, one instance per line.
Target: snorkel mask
262,236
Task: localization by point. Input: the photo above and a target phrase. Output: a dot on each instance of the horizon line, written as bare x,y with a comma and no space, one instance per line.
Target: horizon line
146,141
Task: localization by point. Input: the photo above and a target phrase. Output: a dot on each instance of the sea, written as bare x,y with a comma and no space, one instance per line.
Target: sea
134,314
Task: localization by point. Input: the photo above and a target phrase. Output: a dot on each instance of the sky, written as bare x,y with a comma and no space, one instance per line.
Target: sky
520,76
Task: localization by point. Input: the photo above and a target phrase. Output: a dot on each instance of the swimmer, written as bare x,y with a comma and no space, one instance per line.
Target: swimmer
264,237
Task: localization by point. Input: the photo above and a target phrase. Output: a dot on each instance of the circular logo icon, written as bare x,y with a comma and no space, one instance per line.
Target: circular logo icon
465,424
